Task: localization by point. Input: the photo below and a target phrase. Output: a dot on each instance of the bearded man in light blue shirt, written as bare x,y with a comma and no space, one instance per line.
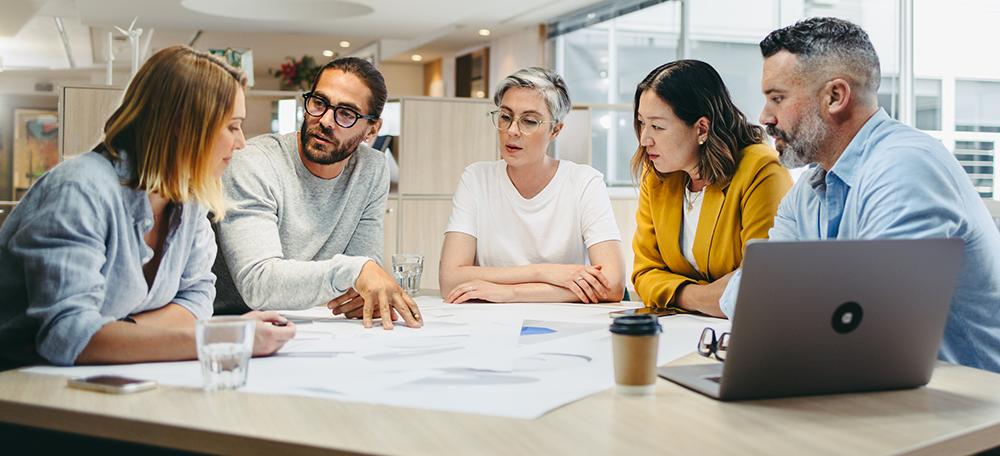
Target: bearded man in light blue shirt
876,178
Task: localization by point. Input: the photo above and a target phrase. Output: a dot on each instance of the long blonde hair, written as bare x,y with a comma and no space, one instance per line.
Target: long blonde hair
168,122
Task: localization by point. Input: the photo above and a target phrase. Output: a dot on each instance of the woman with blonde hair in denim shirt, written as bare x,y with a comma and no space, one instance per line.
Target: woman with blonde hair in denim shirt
108,257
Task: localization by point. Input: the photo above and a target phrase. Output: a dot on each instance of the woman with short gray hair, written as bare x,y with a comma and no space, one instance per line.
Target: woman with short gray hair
530,228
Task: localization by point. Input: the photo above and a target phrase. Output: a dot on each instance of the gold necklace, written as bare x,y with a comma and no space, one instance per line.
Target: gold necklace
691,200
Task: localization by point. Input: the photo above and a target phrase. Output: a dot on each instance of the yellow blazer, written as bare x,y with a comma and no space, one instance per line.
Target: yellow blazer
732,213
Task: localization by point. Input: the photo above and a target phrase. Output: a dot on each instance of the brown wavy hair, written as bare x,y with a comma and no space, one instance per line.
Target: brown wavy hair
168,122
693,89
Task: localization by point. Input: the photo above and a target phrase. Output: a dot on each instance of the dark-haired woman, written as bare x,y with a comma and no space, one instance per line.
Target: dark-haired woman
708,185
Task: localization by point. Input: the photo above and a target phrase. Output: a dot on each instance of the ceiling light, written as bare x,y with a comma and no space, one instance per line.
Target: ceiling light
345,44
416,57
327,53
268,10
484,32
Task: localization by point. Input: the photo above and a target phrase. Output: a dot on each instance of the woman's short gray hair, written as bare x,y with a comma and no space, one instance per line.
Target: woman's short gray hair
549,85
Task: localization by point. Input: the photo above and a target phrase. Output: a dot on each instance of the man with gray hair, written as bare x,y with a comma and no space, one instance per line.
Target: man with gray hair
876,178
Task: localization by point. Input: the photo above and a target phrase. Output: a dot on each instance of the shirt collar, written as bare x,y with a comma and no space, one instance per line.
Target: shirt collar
854,156
136,201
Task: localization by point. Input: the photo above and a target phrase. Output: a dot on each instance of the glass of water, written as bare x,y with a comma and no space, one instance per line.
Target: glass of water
407,269
225,345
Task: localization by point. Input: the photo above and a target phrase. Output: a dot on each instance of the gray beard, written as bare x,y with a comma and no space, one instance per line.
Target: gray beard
801,147
335,153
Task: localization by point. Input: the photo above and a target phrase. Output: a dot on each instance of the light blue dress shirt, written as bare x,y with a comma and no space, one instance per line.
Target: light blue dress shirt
71,257
893,181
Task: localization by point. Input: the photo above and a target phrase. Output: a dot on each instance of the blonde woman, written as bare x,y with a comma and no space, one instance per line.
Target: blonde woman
108,257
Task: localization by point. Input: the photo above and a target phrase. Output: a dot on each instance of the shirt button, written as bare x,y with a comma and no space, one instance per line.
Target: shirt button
145,260
149,222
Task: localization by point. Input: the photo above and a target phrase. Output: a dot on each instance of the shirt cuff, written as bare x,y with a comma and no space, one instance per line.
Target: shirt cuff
727,303
67,338
200,311
346,272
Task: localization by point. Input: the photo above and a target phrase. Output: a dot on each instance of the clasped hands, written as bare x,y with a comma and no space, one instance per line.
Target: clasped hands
376,295
588,283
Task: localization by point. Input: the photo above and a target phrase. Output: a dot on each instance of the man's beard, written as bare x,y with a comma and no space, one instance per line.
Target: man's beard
802,146
334,153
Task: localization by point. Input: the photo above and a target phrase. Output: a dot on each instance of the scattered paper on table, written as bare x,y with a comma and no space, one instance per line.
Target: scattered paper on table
510,360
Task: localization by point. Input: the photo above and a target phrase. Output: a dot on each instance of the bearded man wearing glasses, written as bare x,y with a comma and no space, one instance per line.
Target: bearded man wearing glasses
304,222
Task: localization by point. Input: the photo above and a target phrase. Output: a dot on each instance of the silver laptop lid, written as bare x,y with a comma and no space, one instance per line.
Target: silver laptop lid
815,317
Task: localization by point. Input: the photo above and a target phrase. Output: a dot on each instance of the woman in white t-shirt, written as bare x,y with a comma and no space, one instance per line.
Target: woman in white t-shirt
530,228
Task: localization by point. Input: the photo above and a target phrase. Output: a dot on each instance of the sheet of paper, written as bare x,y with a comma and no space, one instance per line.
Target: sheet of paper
510,360
444,342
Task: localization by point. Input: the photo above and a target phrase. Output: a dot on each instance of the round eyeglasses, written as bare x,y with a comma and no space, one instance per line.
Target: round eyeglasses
342,115
527,125
708,345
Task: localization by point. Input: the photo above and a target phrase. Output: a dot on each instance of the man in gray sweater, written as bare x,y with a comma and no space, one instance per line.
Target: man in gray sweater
304,222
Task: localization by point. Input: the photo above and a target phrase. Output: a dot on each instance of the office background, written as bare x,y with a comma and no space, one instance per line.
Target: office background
938,74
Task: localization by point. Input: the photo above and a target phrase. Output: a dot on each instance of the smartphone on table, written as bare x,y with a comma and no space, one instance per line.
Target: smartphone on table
111,384
654,311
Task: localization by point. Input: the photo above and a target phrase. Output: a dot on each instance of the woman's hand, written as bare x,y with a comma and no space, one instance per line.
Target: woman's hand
704,298
587,282
267,337
481,289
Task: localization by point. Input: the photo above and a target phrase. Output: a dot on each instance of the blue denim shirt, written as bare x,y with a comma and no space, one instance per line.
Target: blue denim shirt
71,257
893,181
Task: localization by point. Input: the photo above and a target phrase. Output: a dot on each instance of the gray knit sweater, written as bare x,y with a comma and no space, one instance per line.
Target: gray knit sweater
291,240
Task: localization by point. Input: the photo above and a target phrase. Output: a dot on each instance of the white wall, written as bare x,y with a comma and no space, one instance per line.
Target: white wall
448,74
403,78
511,52
508,53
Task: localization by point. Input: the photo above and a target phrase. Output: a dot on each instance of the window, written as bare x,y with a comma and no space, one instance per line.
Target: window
976,158
604,53
977,106
977,131
603,61
927,94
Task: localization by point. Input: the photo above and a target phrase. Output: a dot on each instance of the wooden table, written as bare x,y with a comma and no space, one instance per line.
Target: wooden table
957,413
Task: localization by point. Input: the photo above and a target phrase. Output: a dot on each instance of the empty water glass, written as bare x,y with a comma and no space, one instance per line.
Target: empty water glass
225,345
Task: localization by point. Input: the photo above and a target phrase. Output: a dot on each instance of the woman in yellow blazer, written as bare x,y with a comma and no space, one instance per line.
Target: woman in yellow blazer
708,185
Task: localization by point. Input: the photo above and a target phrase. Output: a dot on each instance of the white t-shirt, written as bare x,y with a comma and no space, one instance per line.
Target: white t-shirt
557,226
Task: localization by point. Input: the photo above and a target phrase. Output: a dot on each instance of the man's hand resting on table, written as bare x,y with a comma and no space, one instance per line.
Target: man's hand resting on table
376,295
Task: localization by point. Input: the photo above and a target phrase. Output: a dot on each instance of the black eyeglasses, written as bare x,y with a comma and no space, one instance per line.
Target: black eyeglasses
709,345
342,115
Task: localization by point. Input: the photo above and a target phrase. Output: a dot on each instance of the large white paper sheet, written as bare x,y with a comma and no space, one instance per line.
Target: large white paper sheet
443,342
510,360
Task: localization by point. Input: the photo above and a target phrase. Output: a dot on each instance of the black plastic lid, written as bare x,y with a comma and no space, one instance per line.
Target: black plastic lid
636,325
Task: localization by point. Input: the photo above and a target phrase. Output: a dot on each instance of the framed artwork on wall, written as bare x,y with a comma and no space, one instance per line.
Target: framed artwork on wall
36,146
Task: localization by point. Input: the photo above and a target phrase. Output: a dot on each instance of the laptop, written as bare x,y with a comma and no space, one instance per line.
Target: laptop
822,317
